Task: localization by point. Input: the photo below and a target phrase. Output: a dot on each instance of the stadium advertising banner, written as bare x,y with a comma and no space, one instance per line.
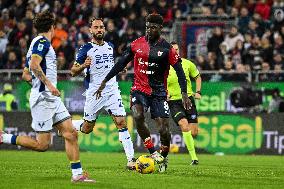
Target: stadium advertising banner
218,133
215,95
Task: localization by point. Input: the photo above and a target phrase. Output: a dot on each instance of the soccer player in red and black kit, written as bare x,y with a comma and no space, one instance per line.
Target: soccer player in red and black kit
152,57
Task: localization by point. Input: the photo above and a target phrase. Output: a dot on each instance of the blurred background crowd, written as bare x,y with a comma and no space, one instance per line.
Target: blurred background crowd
253,42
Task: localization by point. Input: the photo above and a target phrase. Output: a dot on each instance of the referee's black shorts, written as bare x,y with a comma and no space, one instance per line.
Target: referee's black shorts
178,112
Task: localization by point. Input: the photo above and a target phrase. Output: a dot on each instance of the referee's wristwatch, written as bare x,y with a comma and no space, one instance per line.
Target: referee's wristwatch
199,92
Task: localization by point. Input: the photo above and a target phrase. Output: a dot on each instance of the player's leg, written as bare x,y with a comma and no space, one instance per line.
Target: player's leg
40,144
181,117
115,108
160,113
139,104
125,139
92,106
62,121
41,123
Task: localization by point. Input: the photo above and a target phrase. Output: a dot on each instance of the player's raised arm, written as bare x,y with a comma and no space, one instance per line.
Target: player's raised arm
118,67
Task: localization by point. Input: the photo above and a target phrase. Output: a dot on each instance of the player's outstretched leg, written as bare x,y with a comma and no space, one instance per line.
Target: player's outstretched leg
72,150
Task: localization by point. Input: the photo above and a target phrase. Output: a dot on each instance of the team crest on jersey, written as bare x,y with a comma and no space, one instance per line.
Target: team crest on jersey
160,53
40,47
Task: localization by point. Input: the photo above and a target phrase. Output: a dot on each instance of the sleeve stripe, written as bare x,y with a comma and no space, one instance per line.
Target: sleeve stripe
37,55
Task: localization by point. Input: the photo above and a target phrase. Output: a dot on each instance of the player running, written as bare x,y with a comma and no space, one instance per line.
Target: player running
47,109
152,57
96,59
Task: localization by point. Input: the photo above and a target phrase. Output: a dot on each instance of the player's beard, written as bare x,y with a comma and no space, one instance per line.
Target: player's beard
99,37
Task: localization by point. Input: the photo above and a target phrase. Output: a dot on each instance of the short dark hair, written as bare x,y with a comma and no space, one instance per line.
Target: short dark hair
174,43
155,18
43,21
93,19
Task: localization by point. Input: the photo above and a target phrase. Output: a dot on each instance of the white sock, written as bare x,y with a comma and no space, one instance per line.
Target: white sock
125,139
77,124
76,172
7,138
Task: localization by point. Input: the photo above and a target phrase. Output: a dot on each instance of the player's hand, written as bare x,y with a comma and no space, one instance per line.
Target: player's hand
197,96
87,62
186,101
98,93
54,91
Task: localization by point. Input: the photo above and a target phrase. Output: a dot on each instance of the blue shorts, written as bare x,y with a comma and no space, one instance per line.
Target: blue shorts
158,105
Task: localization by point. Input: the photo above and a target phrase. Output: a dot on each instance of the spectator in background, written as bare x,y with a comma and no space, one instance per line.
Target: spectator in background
244,19
201,63
232,38
278,43
263,9
60,35
12,62
3,42
111,34
7,99
266,50
276,102
126,39
41,6
278,73
68,52
19,31
18,9
264,76
215,40
237,53
252,56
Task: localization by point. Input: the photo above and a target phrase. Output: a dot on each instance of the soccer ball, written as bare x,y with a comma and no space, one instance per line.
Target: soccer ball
145,164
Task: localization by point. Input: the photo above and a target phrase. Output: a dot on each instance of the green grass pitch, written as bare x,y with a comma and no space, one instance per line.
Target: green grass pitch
26,169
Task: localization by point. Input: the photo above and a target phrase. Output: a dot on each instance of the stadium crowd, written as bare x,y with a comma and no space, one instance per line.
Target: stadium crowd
253,42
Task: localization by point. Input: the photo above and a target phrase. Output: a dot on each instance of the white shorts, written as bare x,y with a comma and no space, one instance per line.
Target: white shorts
48,113
111,102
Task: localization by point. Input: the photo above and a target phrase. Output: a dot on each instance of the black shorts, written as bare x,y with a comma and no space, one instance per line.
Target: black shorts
158,105
178,112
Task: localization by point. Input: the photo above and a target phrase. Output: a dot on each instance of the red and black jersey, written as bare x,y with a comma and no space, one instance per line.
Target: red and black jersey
151,65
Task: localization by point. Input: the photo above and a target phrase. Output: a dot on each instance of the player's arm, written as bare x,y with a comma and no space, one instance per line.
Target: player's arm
175,61
193,71
26,76
118,67
78,68
198,82
36,69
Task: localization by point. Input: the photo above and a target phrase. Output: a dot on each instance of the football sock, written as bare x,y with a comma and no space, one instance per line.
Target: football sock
125,139
76,168
9,139
77,124
149,145
188,140
164,151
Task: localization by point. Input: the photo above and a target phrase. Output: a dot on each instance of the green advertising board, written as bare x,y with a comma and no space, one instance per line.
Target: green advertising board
215,95
230,134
